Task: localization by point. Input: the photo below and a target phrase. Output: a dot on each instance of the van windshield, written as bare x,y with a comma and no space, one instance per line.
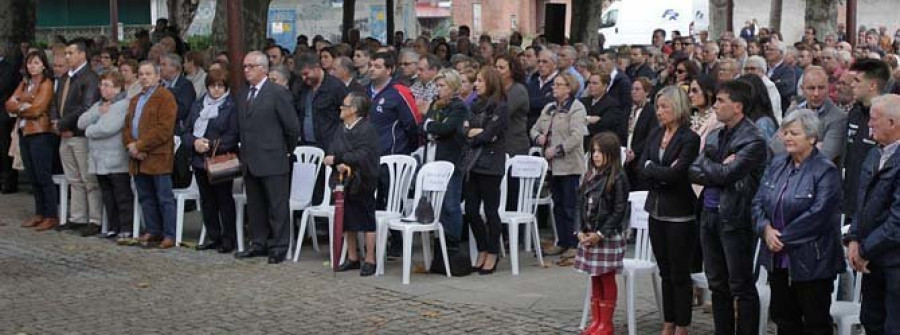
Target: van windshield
609,18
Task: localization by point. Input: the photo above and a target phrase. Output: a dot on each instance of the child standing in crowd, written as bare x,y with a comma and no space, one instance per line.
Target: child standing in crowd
602,201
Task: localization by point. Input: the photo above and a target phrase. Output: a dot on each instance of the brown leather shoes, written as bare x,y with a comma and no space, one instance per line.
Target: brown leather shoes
167,243
47,224
34,221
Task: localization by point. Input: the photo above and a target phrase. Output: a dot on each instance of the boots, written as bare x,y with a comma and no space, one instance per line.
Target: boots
607,308
595,318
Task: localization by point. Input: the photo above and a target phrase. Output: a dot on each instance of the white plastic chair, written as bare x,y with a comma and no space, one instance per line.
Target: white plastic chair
845,313
763,290
401,170
642,263
430,183
303,180
60,179
546,201
530,172
307,220
181,195
240,200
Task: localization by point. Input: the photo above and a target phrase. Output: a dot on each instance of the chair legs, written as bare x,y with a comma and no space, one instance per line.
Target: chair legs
426,249
179,219
537,242
513,247
239,225
629,305
444,251
586,310
407,255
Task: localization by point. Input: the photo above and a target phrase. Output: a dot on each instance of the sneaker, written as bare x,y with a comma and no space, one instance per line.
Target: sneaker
109,235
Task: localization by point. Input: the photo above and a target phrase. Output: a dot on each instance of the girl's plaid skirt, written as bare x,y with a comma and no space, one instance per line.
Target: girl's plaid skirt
602,258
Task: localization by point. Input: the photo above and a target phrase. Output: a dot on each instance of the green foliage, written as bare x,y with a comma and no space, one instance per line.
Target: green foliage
199,42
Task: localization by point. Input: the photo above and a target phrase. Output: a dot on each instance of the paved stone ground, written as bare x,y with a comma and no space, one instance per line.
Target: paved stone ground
56,283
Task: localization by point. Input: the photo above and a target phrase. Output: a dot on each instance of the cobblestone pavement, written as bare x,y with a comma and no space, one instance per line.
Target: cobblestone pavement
56,283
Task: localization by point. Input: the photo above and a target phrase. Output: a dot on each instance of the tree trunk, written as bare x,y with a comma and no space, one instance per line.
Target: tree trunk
775,15
182,12
822,15
256,16
718,18
586,16
17,21
389,11
349,12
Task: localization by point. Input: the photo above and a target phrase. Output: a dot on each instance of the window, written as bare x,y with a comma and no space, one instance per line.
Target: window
609,18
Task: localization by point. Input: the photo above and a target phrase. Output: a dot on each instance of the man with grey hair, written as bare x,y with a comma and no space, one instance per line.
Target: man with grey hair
873,248
832,121
345,71
566,63
280,75
756,65
708,57
727,69
540,85
269,130
407,67
170,70
424,88
739,51
780,73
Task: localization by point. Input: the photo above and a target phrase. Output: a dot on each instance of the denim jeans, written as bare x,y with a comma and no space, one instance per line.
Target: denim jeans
38,152
564,189
157,204
728,259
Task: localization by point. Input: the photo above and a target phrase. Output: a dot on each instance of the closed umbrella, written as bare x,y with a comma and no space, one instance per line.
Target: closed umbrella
338,244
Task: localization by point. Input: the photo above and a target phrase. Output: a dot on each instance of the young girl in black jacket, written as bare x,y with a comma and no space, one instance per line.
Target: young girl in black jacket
602,202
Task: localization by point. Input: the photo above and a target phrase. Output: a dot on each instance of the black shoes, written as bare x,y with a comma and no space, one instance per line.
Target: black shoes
368,269
277,257
252,252
90,230
208,246
226,247
349,265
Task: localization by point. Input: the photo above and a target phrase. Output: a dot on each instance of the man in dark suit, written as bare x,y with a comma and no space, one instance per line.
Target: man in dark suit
620,85
344,71
9,79
269,130
170,69
641,122
638,67
781,73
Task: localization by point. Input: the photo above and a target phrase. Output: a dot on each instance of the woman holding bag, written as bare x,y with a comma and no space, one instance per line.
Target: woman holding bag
212,129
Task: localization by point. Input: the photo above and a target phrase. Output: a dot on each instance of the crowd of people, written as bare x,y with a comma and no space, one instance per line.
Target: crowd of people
750,149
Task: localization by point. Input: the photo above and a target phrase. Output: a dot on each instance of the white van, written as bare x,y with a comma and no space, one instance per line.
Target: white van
630,22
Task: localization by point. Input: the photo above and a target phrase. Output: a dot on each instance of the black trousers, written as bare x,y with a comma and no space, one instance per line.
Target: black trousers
115,191
267,209
673,246
484,189
217,203
800,307
880,312
9,177
728,260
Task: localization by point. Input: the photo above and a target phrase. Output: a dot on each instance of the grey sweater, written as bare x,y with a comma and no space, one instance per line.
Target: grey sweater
104,134
517,142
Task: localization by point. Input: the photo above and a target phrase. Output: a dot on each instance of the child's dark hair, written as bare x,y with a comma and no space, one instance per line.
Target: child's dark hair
607,143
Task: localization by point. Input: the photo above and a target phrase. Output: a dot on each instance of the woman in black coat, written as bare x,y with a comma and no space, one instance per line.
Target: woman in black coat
355,148
212,126
671,204
485,165
443,127
604,112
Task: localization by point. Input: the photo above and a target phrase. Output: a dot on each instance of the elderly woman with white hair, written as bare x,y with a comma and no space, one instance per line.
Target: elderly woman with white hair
794,213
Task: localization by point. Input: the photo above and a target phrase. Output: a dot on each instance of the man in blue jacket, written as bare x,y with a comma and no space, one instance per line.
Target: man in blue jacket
874,238
394,116
540,85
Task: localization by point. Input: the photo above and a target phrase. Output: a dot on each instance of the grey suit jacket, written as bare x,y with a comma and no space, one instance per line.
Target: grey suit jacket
832,131
269,130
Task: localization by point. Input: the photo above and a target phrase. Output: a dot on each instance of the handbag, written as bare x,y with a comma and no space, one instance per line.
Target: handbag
221,168
424,212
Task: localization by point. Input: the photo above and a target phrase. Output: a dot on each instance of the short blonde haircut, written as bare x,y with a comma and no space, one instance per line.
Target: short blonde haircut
681,104
573,84
450,77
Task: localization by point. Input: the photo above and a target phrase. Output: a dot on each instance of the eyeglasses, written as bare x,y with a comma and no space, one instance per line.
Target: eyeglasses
346,106
249,66
407,63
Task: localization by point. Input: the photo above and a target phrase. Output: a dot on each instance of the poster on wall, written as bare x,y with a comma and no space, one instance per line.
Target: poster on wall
282,27
377,23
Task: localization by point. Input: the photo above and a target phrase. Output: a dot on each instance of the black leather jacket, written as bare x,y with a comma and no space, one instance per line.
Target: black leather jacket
812,218
737,180
599,210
